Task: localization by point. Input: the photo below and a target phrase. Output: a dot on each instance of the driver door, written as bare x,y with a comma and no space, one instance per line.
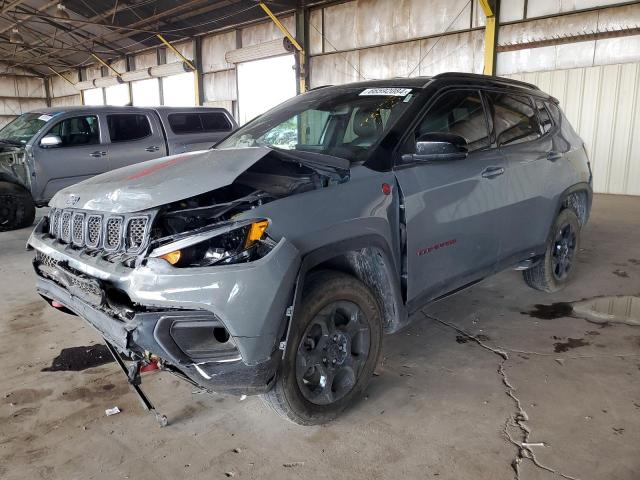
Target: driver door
79,155
453,209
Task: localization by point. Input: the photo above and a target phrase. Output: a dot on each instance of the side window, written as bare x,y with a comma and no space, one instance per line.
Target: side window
460,112
124,127
555,112
215,122
185,123
514,119
77,131
544,117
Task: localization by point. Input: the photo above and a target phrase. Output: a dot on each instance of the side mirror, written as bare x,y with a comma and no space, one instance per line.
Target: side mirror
49,141
438,147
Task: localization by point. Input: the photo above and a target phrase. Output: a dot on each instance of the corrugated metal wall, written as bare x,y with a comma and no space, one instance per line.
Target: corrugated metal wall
603,105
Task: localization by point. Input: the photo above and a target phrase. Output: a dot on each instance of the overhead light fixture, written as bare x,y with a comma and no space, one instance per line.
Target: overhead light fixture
15,37
61,12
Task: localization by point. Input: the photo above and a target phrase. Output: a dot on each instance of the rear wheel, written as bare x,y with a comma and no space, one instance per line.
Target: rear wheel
553,271
17,209
332,351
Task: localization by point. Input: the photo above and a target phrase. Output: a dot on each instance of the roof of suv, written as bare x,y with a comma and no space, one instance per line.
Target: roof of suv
97,108
422,82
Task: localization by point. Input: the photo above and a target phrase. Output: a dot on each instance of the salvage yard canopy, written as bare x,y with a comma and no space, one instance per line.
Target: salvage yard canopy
39,35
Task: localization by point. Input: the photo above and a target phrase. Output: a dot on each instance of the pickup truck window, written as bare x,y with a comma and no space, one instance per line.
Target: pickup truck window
182,123
514,119
126,127
75,131
460,112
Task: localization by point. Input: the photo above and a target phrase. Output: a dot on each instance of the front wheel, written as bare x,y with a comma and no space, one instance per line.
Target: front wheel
17,209
553,271
332,351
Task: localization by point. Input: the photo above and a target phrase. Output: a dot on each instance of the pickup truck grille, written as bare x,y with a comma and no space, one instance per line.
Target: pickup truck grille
109,232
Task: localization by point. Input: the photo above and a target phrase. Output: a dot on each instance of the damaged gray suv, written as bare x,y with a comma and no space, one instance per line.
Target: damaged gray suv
274,263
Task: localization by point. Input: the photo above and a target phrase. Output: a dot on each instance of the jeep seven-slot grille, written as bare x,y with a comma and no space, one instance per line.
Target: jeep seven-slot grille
112,233
94,228
136,229
77,232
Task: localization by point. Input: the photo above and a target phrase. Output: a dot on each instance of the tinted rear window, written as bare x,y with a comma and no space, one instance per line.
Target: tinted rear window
182,123
543,116
514,118
127,127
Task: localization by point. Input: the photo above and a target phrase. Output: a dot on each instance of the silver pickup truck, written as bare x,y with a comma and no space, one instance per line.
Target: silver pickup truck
44,151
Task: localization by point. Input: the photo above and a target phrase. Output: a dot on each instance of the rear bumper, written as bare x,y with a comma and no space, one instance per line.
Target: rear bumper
221,371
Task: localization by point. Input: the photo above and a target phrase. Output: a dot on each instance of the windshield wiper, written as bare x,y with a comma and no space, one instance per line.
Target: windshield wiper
321,159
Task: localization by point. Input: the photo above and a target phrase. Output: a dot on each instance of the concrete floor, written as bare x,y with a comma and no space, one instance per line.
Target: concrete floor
439,407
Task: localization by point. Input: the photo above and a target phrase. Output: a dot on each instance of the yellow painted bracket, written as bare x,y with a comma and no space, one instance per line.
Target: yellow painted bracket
282,28
294,42
62,77
174,50
489,37
185,60
105,64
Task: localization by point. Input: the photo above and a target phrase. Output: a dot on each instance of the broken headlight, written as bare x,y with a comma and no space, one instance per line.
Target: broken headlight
236,242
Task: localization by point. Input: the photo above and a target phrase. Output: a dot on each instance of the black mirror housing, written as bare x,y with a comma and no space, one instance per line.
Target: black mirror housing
437,147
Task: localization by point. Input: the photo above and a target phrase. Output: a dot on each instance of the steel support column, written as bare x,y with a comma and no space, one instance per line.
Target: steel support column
491,10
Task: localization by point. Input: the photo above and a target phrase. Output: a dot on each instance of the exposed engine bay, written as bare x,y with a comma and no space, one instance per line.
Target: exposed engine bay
13,163
269,179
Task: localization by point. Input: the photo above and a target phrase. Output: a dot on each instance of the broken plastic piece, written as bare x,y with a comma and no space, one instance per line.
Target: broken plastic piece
537,444
161,419
112,411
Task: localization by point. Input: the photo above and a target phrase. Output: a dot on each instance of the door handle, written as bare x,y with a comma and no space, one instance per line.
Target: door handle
553,156
152,148
491,172
97,154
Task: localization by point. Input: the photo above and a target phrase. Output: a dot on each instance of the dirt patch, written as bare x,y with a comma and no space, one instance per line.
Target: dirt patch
620,273
24,413
26,316
90,393
26,395
551,312
560,347
76,359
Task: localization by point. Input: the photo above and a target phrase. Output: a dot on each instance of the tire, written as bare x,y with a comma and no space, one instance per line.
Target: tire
17,209
554,270
332,350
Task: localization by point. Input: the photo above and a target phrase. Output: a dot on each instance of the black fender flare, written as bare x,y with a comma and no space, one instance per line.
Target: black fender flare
582,187
5,177
330,251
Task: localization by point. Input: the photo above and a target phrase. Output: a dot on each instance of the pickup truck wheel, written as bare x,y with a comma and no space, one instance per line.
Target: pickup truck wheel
553,271
332,351
17,209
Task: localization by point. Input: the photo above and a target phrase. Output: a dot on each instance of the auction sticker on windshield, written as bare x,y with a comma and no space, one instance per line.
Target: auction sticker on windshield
386,92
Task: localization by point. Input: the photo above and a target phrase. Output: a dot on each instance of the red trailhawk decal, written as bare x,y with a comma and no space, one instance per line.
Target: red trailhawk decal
436,246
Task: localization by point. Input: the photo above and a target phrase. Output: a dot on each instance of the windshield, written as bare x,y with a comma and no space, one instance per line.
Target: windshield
344,122
20,130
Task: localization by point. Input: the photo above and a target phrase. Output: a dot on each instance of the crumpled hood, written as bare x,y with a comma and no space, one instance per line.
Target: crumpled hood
160,181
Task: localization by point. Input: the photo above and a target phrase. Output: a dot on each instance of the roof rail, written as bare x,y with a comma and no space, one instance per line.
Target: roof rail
318,87
486,78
